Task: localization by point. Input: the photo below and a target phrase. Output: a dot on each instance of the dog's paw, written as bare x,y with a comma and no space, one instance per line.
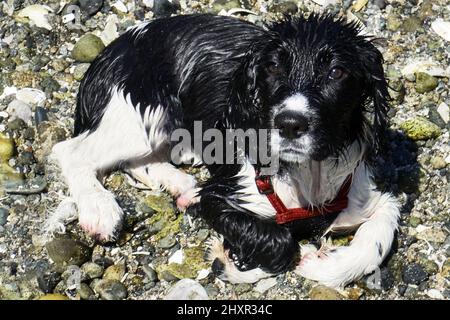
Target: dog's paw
188,198
181,184
100,215
224,267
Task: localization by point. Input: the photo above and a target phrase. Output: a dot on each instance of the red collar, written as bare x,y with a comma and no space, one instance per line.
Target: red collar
284,215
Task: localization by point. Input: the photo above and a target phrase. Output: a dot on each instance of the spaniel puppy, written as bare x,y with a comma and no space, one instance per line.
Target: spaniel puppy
315,80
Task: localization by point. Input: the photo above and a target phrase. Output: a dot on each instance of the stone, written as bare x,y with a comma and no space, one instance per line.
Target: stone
40,115
4,213
419,128
432,235
54,296
164,8
425,82
442,28
187,289
393,22
438,162
414,221
381,4
87,48
414,274
90,7
21,110
193,263
92,270
324,293
6,148
444,112
66,252
111,289
85,292
37,14
265,284
48,281
285,7
80,71
412,24
31,96
167,242
115,272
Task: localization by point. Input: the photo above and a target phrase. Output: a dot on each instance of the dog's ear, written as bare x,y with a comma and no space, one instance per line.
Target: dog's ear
376,90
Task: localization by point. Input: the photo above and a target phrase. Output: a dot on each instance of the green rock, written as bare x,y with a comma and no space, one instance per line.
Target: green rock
167,242
429,266
393,22
285,7
87,48
92,270
9,178
111,290
412,24
420,128
414,221
85,292
397,90
425,82
6,148
65,252
192,263
80,70
115,272
446,269
324,293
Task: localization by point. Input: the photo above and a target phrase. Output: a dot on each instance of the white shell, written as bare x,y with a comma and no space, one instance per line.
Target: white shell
430,67
187,289
442,28
120,6
31,96
444,112
177,257
37,14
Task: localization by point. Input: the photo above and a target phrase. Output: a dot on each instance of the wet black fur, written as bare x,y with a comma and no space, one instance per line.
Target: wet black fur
215,69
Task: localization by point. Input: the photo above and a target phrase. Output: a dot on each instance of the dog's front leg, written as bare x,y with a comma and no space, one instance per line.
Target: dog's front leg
252,248
375,215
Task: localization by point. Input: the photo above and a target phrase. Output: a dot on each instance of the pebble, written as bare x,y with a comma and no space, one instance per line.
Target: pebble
115,272
381,4
40,115
54,296
187,289
444,111
80,70
85,292
442,28
92,270
265,284
47,282
419,128
31,96
164,8
6,148
68,251
87,48
425,82
432,235
4,213
90,7
324,293
21,110
111,289
167,242
438,163
414,274
37,14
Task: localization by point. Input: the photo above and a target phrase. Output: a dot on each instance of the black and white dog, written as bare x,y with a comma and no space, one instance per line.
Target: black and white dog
315,79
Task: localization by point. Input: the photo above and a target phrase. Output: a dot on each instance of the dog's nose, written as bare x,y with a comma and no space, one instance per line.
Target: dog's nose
291,124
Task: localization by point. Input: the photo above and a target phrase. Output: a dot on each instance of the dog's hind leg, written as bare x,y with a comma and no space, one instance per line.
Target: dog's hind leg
120,137
163,175
376,215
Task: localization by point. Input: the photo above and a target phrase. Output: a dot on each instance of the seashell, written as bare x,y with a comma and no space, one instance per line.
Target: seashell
37,14
442,28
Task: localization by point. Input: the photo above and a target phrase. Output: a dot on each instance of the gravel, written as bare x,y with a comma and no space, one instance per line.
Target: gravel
42,63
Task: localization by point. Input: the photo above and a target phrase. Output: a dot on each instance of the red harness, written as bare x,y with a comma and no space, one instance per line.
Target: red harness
284,215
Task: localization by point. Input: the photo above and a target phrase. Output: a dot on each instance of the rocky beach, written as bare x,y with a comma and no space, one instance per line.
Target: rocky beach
45,49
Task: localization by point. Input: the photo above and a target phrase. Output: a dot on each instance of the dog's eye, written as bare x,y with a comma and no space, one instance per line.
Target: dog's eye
337,73
274,68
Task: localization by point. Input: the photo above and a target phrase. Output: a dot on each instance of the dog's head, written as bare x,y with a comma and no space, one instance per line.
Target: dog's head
320,83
